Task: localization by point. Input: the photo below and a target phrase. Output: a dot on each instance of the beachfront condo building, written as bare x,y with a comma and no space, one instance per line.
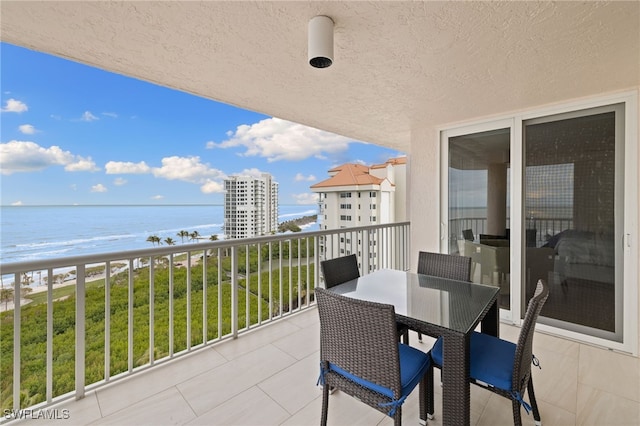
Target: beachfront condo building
250,206
359,195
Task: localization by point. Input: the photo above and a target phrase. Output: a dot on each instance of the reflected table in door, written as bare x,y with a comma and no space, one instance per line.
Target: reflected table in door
436,307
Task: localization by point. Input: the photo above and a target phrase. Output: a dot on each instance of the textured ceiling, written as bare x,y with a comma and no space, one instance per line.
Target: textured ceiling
398,66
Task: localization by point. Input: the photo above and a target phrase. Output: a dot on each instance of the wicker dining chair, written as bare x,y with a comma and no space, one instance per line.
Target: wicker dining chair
342,269
501,366
361,356
444,266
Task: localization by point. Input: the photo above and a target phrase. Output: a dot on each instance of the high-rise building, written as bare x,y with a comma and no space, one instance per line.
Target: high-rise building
250,206
357,195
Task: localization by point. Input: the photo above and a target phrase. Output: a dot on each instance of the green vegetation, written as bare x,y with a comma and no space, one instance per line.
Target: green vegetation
34,317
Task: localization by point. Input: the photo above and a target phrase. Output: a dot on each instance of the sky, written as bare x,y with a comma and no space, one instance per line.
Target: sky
73,134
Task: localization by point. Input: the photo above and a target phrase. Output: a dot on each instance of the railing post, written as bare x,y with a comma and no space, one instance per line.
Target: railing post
234,292
17,289
80,330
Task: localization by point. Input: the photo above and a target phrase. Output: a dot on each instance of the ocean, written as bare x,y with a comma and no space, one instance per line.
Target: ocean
45,232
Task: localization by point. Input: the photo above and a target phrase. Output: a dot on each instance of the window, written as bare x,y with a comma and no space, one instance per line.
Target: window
345,217
345,195
372,194
345,206
373,206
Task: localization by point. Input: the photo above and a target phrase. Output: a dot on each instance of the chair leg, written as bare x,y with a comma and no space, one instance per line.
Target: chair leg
405,337
517,419
419,337
397,417
325,404
429,388
534,404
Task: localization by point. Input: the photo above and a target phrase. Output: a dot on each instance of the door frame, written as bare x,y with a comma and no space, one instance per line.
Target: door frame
631,237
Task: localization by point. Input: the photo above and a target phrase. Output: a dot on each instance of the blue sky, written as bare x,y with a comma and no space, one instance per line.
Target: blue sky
73,134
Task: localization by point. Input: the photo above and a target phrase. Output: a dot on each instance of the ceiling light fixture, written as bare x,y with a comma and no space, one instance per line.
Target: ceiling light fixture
320,42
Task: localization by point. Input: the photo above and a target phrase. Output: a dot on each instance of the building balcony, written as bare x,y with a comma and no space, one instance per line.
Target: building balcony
253,363
268,377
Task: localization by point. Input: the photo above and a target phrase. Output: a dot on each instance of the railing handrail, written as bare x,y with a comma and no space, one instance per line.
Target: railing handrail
62,262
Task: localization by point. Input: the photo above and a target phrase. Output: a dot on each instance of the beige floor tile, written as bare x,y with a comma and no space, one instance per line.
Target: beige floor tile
251,407
556,381
166,408
305,318
597,407
216,386
309,415
70,412
115,397
301,343
346,410
295,387
610,371
261,336
498,411
569,348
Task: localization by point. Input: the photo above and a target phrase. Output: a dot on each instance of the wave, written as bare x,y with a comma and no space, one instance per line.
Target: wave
299,214
75,241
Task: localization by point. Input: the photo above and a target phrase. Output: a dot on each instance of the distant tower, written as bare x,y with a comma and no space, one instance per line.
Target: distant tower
356,195
250,206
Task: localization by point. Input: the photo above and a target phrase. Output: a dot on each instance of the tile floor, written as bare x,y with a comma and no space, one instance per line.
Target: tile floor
268,377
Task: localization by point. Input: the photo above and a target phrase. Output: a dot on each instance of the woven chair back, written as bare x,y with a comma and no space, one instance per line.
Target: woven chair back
444,266
524,348
339,270
360,337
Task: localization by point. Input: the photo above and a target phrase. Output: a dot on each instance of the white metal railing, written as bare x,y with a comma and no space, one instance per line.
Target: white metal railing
133,310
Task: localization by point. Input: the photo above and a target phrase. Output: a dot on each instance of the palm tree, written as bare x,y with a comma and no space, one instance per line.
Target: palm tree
153,239
169,241
194,235
214,237
182,234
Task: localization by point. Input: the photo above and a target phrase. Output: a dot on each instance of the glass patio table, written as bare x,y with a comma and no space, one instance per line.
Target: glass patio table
436,307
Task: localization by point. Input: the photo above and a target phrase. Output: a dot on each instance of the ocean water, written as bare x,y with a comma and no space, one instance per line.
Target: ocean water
45,232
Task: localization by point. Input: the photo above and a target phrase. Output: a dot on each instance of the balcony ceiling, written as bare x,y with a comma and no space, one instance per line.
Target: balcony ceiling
399,66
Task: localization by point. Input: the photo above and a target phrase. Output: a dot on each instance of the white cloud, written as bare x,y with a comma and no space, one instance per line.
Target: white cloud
27,129
99,188
17,203
126,167
277,139
82,165
300,178
253,172
157,197
119,181
26,156
13,105
87,116
306,198
110,114
73,186
188,169
212,187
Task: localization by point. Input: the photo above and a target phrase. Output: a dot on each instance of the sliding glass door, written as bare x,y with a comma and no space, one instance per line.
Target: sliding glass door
478,225
550,196
574,205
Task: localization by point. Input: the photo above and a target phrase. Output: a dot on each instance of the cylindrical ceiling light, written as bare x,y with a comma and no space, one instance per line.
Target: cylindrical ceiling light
321,42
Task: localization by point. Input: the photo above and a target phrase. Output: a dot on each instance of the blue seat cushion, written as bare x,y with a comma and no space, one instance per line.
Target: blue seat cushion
413,365
491,359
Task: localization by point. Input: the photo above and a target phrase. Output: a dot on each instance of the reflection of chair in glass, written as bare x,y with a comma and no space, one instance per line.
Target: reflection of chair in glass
499,365
342,269
472,250
444,266
360,355
539,263
495,265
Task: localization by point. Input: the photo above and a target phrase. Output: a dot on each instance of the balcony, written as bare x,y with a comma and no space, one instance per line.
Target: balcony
268,377
262,366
